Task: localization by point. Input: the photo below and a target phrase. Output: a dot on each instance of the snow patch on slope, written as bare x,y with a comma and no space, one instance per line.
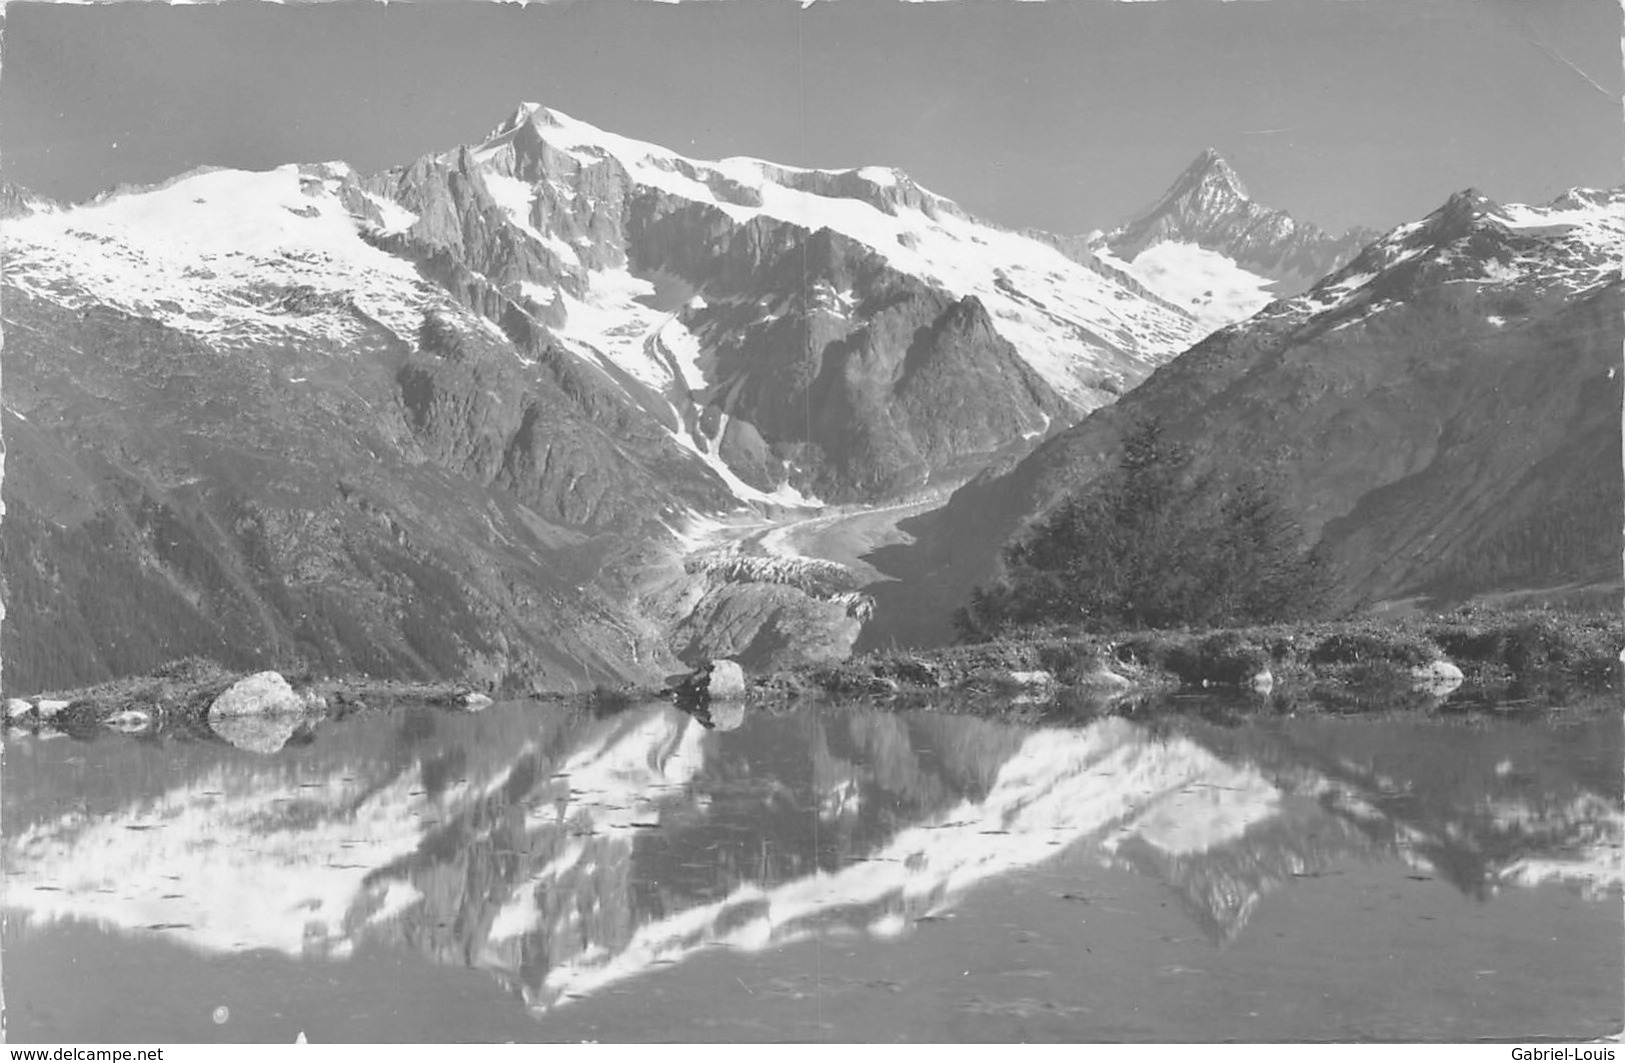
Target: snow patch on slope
615,325
708,451
397,219
1572,210
514,197
612,321
213,253
1211,285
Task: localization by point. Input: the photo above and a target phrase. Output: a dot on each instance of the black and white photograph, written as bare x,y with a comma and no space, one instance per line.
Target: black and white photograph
812,521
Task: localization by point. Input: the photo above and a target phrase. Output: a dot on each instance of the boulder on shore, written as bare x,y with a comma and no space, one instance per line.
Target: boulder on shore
16,707
717,680
1437,678
261,694
725,680
48,707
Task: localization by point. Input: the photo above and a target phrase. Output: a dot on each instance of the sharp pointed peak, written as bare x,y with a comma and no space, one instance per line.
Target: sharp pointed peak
1208,182
1207,169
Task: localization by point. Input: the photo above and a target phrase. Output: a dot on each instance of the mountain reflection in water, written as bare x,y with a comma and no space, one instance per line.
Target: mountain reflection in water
565,854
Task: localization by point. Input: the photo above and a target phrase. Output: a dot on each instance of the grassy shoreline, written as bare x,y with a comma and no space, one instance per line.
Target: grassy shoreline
1347,665
181,692
1341,664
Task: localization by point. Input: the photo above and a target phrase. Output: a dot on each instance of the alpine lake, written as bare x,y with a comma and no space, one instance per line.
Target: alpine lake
814,872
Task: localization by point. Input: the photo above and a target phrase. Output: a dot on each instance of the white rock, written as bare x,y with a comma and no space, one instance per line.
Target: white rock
16,707
1437,678
727,680
1440,669
1261,681
1032,679
48,707
261,694
474,702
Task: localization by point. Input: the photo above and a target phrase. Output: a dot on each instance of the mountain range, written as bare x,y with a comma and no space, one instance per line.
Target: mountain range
1442,414
500,411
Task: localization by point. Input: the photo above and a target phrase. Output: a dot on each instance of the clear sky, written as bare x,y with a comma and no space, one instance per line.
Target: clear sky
1065,115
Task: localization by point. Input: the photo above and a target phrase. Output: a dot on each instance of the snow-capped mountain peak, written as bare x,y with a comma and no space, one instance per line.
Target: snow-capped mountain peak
230,254
1204,195
735,181
1209,184
1206,245
1565,247
1076,325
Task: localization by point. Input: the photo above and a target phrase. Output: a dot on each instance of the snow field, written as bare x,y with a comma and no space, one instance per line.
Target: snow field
210,254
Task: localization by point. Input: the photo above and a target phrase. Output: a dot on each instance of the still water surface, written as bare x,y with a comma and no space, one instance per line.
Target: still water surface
533,873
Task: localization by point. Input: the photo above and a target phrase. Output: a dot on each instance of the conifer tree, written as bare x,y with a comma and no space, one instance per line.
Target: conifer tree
1152,546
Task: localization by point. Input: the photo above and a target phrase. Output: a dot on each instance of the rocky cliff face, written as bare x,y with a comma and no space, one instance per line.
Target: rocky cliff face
18,202
1436,412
